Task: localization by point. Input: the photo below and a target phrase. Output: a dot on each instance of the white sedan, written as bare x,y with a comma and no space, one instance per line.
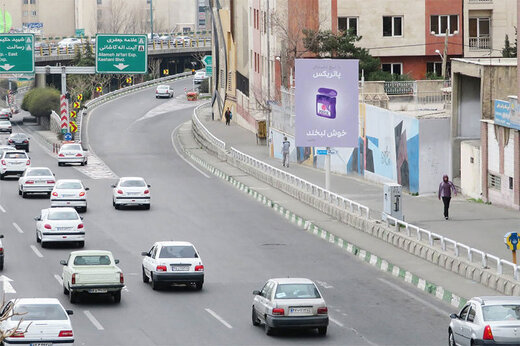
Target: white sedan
163,91
36,180
37,321
60,225
69,193
131,191
5,126
173,262
72,153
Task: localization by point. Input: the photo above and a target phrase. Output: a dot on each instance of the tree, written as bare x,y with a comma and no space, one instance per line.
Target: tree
510,51
8,313
343,46
43,101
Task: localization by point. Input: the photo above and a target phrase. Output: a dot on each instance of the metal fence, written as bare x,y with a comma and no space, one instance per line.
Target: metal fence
401,88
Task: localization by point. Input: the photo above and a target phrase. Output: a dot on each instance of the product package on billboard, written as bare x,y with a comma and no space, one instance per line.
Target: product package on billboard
327,103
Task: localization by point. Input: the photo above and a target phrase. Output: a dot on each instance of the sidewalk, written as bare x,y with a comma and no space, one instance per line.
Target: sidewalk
475,224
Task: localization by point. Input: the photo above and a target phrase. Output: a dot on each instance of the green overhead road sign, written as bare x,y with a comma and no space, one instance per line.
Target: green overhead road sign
208,61
121,54
16,53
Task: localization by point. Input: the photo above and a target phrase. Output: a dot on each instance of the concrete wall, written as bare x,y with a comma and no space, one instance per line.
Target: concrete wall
470,176
434,152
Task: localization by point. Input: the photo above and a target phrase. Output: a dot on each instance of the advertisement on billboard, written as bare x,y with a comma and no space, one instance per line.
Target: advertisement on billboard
327,102
507,113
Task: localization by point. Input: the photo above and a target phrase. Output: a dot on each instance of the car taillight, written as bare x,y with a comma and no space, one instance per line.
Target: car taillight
120,192
47,226
199,268
29,182
26,141
55,194
146,192
79,155
278,311
61,155
121,278
81,194
50,181
4,163
323,311
65,334
161,268
11,141
1,250
488,335
73,279
80,225
28,162
18,334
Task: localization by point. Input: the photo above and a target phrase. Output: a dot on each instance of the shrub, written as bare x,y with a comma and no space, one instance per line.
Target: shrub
204,86
44,101
27,99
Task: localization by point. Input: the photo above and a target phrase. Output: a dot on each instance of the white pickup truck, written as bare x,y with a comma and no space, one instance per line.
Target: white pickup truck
92,272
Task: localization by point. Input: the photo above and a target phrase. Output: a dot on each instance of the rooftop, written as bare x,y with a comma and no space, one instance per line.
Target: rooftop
489,61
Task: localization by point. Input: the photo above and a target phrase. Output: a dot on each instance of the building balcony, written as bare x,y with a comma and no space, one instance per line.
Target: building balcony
480,43
480,1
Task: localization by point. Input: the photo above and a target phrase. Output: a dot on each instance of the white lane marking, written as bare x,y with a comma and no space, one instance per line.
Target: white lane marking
336,322
36,251
220,319
324,284
2,209
413,296
7,287
93,320
15,225
181,156
175,104
59,279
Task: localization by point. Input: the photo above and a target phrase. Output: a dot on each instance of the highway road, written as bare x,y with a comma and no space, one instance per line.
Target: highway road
241,242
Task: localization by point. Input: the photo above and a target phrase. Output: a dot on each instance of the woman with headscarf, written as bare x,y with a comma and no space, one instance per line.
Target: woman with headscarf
445,189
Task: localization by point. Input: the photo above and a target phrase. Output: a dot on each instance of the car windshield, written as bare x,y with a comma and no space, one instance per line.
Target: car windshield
16,155
92,260
68,185
297,291
38,312
39,172
132,183
504,312
62,215
178,251
75,147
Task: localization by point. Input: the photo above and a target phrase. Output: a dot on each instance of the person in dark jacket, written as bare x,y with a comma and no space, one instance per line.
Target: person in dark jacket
228,116
445,189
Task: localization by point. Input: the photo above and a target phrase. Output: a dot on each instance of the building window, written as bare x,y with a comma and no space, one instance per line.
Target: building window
25,2
439,24
479,30
436,67
100,2
494,181
33,13
33,2
510,183
25,13
393,26
265,22
393,68
348,23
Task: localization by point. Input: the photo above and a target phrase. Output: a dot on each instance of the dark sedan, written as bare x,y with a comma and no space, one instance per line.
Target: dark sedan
19,141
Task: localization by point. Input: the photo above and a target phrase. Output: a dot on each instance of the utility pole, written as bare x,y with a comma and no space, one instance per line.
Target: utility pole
151,20
445,55
268,35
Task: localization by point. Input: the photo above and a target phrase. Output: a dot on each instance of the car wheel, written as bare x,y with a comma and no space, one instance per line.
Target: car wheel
155,284
145,278
82,163
322,331
65,291
2,265
24,194
451,339
44,244
147,206
117,297
268,329
81,244
117,206
2,176
38,240
85,163
73,297
27,150
19,192
254,318
198,285
60,164
48,194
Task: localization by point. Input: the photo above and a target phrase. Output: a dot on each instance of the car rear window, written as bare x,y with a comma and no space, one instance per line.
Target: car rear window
71,147
132,183
15,155
62,215
177,252
18,136
5,122
39,312
163,87
505,312
297,291
92,260
68,185
39,172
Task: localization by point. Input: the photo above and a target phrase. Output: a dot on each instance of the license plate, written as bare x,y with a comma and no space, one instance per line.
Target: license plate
300,310
63,228
97,290
133,193
68,195
180,268
42,344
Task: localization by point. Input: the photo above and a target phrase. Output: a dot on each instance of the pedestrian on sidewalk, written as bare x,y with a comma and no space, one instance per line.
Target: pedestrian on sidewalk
445,189
285,152
228,116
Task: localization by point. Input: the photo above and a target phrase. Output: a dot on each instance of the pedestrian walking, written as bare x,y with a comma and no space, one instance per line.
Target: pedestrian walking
445,189
228,116
285,152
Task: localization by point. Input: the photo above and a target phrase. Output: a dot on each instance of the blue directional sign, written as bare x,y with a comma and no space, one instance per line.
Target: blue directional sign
67,136
511,240
321,151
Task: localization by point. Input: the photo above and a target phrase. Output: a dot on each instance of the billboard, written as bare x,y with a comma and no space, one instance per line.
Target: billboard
327,102
507,114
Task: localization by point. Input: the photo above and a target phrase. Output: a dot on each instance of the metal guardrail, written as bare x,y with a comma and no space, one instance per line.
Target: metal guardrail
454,247
214,140
400,88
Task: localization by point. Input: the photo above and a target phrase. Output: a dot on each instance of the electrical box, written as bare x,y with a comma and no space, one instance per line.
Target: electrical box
392,201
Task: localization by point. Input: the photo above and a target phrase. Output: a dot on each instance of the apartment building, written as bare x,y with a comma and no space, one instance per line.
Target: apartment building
486,23
408,36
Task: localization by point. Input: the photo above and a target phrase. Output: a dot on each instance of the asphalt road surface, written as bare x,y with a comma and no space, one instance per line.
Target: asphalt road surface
241,242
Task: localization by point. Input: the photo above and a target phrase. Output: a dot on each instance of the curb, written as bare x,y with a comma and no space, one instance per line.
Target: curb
426,286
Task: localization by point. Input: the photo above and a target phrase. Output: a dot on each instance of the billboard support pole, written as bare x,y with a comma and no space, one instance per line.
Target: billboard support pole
327,170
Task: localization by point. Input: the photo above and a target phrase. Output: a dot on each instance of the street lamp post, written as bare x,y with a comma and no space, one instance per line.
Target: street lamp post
151,20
